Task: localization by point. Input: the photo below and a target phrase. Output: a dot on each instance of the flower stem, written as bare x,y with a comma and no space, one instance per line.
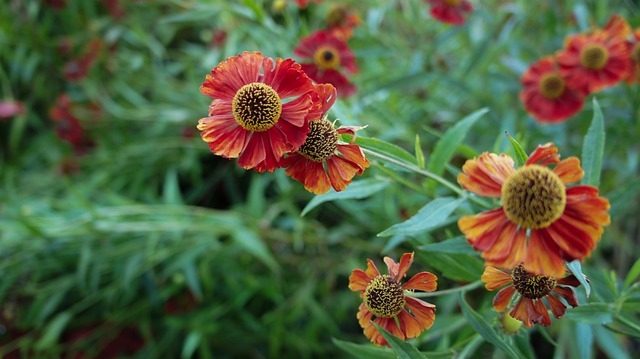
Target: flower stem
464,288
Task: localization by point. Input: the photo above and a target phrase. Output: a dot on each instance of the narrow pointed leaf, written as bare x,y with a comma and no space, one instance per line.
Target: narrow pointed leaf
356,190
576,268
521,155
432,215
593,148
402,349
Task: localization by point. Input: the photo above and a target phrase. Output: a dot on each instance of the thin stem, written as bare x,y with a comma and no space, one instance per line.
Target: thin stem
464,288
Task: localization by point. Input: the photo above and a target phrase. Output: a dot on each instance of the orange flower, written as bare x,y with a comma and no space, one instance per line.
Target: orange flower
545,93
385,298
592,62
329,54
248,119
322,150
634,54
450,11
531,290
341,21
564,223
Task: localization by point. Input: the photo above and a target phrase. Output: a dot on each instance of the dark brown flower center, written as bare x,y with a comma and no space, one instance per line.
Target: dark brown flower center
551,86
321,142
594,56
384,297
327,58
530,285
533,197
256,107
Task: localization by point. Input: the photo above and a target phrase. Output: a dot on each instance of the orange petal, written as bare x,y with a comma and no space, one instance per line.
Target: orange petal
411,327
392,266
424,312
525,312
316,179
495,278
544,155
390,325
341,171
557,307
372,271
509,249
502,299
424,281
364,316
544,257
486,174
483,229
543,319
354,154
569,170
405,262
568,294
254,153
358,280
584,202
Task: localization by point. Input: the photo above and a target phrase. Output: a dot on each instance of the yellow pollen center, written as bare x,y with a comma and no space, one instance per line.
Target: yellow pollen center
530,285
256,107
594,56
533,197
321,142
452,2
384,297
635,53
551,86
326,58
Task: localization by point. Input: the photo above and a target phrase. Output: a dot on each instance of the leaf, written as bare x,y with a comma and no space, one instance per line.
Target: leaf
428,217
365,351
576,268
593,148
402,349
446,146
384,148
454,245
480,325
460,267
633,274
521,155
254,245
53,330
584,336
190,344
419,153
591,313
356,190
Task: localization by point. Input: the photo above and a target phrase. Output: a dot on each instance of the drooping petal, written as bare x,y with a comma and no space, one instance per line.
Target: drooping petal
230,144
364,316
354,154
483,229
310,173
570,280
424,312
568,294
509,249
424,281
296,111
341,172
569,170
584,203
390,325
502,299
495,278
525,312
254,152
486,174
543,319
405,263
557,307
544,257
410,326
327,95
358,280
544,155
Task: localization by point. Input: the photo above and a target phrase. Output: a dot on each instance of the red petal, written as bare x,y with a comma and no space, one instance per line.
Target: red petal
543,319
341,171
509,249
411,327
483,229
568,294
544,155
254,153
358,280
405,263
424,312
353,154
422,281
569,170
502,299
296,111
557,307
287,78
486,174
544,257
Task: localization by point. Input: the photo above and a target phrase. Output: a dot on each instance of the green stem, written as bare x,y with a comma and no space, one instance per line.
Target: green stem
464,288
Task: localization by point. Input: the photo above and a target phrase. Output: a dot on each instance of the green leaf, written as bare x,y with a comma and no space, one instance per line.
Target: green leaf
252,243
521,155
365,351
419,153
53,330
633,274
402,349
432,215
356,190
482,327
190,344
384,148
460,267
609,343
593,148
576,268
454,245
584,338
447,145
591,313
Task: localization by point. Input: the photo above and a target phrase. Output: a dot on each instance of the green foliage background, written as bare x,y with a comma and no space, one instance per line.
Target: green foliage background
151,215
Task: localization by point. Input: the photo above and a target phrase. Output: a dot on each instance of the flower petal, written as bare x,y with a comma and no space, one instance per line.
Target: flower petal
509,249
354,154
405,263
544,257
483,229
341,172
544,155
296,112
254,152
424,312
525,312
495,278
310,173
557,307
486,174
372,271
543,319
287,78
569,170
230,75
424,281
410,326
502,299
568,294
358,280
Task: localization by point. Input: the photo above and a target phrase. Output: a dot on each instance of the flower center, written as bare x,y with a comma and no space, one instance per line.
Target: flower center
530,285
551,86
384,297
327,58
594,56
321,141
635,53
256,107
533,197
452,2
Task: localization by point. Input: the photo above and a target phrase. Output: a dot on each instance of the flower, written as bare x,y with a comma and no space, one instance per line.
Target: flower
322,162
594,61
531,290
329,54
545,94
385,298
564,223
341,21
10,108
450,11
634,54
303,3
68,127
248,118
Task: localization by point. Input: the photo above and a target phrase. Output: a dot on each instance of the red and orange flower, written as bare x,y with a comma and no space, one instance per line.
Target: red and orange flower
450,11
322,162
529,290
341,21
248,118
594,61
545,94
329,54
634,54
564,223
384,297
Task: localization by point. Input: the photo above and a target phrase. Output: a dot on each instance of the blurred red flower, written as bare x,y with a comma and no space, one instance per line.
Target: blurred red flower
68,127
450,11
10,108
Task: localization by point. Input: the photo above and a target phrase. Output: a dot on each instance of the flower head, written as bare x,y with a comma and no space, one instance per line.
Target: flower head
634,55
384,297
322,161
541,222
341,21
450,11
248,118
329,55
529,290
545,94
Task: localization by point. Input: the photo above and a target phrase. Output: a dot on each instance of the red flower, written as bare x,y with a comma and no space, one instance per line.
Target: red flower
341,21
322,150
248,119
531,290
634,54
385,298
329,55
541,222
68,127
450,11
545,93
10,108
303,3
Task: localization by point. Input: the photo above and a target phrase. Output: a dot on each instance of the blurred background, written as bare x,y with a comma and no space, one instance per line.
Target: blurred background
121,235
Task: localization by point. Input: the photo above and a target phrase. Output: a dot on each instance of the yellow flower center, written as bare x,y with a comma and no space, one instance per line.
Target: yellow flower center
533,197
530,285
321,142
594,56
551,86
635,53
327,58
256,107
384,297
452,2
